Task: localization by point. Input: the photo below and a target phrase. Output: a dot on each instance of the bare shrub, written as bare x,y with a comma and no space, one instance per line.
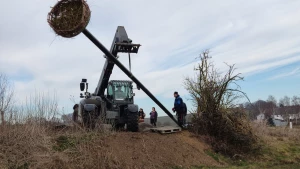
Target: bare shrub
41,108
25,138
6,97
214,97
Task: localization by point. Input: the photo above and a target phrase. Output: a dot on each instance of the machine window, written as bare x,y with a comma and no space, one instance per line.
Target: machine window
122,91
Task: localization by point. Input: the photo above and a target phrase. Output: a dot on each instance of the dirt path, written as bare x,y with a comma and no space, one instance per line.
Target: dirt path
153,150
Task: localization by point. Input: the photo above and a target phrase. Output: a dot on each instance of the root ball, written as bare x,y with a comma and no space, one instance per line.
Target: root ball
68,18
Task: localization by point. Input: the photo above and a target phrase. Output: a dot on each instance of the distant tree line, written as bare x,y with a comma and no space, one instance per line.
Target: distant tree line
270,106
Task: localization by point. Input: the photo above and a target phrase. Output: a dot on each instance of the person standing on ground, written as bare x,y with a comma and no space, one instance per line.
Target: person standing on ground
184,113
179,108
142,114
153,117
75,113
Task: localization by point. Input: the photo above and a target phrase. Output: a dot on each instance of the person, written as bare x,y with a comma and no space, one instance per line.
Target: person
75,113
153,117
179,109
119,93
142,114
184,113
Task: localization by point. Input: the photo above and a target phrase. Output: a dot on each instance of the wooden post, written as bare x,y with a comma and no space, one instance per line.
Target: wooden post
290,121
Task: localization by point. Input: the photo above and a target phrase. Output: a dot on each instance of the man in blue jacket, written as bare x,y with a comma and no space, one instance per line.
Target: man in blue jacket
179,108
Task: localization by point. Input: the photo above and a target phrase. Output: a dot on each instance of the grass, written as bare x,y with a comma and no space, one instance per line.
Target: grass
37,146
77,149
63,143
285,156
280,150
30,145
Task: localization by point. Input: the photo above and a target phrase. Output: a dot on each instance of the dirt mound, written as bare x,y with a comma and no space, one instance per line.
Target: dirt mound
153,150
30,146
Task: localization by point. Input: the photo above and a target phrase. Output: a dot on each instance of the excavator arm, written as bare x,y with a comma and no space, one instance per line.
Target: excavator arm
121,43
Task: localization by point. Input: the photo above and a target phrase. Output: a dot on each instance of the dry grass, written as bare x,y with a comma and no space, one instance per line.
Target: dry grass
268,134
280,149
40,146
22,145
35,145
29,139
280,145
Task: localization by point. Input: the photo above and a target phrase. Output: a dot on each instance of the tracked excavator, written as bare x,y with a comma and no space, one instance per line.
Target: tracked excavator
116,106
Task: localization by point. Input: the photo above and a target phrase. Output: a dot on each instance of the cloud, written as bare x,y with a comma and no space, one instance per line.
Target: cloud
254,35
286,74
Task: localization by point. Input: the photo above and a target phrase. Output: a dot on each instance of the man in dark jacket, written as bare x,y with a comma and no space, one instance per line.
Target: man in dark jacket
179,108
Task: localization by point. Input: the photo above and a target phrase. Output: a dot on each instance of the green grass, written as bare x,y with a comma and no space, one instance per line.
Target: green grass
214,155
279,155
64,142
252,166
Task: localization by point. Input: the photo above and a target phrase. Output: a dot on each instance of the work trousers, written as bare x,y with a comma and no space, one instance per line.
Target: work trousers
181,118
153,122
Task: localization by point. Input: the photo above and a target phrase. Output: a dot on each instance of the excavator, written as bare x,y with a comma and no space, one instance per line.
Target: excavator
115,106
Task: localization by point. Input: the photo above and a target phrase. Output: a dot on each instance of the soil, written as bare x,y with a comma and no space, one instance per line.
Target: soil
154,150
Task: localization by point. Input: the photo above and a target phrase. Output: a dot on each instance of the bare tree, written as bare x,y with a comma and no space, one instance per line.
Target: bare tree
286,101
282,102
72,99
295,101
214,95
211,87
273,103
6,96
272,99
41,106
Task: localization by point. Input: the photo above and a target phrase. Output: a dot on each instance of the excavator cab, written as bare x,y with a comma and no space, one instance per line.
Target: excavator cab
120,92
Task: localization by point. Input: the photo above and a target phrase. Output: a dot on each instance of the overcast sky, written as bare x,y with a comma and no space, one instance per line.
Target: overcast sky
261,37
